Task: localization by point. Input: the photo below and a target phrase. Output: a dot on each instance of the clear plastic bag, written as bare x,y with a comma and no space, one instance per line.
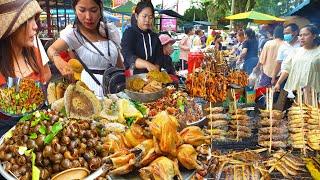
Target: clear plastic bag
254,78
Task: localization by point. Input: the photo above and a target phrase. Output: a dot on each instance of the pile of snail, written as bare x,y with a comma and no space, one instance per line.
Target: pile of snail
78,144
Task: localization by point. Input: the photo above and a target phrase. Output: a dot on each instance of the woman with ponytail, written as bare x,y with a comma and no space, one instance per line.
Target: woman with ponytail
141,47
94,42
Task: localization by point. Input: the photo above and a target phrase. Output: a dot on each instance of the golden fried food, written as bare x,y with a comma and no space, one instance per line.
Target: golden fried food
162,77
135,84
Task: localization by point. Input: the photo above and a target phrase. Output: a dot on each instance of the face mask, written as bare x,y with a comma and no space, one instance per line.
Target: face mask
288,37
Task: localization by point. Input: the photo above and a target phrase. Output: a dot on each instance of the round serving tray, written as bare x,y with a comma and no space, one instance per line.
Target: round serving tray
3,172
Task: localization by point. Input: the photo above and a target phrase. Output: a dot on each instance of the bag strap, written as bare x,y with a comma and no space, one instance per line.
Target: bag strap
86,68
95,47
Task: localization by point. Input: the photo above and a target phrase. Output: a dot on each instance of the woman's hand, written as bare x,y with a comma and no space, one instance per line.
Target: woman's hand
151,67
273,80
277,87
62,66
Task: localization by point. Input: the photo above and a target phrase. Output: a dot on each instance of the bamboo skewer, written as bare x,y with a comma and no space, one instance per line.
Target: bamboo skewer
236,111
270,106
301,116
211,126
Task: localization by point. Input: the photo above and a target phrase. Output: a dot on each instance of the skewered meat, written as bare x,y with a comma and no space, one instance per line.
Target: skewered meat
275,130
287,164
274,144
278,137
217,123
268,122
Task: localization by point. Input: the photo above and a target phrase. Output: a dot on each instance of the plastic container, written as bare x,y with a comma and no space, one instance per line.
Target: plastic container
194,60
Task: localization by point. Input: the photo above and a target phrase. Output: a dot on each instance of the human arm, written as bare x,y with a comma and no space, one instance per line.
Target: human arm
284,75
53,54
275,72
243,54
284,71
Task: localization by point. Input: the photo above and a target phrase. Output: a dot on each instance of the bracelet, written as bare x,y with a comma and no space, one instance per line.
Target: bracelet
54,55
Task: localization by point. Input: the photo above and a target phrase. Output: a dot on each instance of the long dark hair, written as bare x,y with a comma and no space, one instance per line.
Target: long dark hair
142,5
100,4
250,33
7,56
314,31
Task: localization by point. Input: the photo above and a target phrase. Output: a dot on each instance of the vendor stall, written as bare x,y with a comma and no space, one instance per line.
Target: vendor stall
172,135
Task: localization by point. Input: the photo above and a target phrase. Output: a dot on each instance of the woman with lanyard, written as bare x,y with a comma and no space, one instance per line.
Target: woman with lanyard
19,56
90,39
141,47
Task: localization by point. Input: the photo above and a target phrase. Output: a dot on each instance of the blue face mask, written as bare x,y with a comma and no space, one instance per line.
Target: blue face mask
288,37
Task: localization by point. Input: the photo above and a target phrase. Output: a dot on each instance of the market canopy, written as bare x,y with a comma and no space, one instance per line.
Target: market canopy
257,17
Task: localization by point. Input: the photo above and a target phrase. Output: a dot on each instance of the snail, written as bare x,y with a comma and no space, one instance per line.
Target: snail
94,163
56,158
66,164
47,152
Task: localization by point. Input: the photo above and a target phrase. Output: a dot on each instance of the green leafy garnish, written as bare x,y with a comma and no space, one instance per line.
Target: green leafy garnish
44,116
130,120
56,128
26,117
34,106
48,138
35,122
35,169
33,136
43,130
181,104
140,107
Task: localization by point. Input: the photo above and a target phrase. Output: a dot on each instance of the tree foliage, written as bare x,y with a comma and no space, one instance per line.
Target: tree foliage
197,14
218,9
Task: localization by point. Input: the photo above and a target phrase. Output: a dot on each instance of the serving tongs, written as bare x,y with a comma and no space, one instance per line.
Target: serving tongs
14,82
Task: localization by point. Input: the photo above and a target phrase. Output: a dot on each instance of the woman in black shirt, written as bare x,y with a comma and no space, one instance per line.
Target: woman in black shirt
141,47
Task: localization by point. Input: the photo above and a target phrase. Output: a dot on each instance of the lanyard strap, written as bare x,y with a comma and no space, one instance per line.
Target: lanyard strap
86,68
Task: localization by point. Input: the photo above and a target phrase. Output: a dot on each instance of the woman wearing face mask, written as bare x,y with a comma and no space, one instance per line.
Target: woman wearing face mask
141,47
18,55
302,68
92,41
291,33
